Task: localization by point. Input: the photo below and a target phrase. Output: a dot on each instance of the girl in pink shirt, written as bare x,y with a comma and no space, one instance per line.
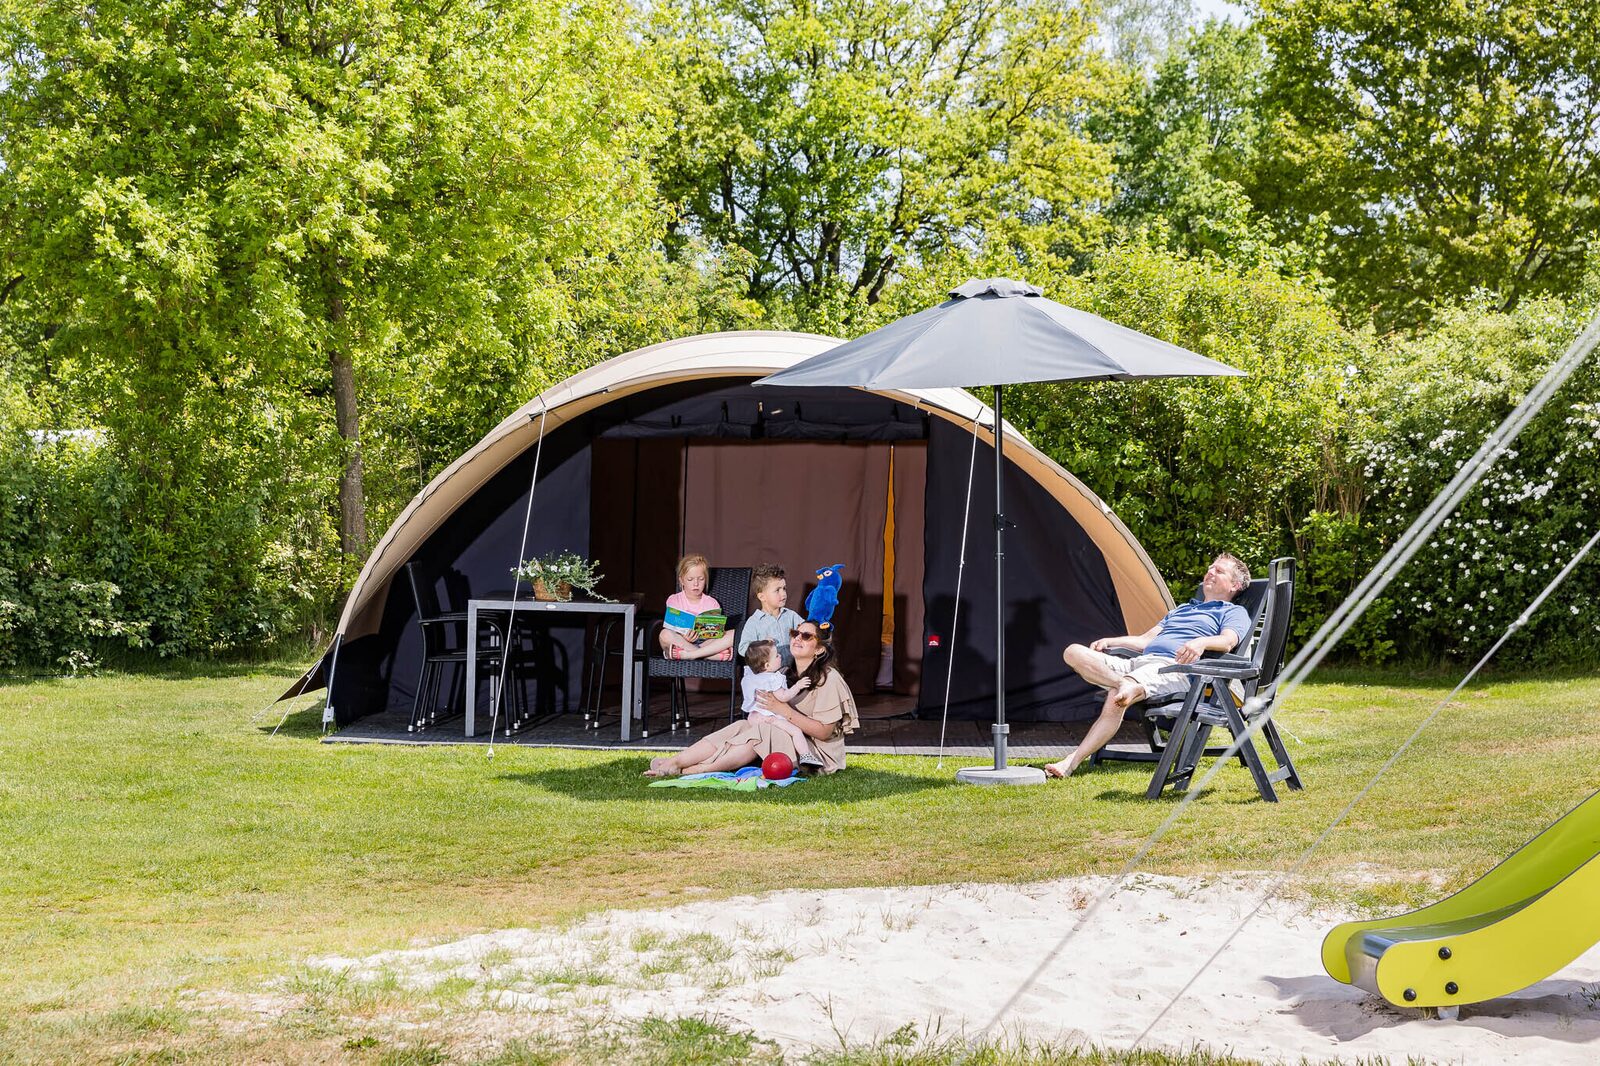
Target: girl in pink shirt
682,606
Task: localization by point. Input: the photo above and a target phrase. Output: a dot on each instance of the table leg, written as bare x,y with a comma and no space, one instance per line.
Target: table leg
627,675
472,667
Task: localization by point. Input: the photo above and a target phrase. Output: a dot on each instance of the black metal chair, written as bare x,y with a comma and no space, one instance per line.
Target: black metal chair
602,650
1211,702
730,587
445,641
538,656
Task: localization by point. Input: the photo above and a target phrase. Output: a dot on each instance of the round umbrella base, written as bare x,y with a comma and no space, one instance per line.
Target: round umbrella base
1011,775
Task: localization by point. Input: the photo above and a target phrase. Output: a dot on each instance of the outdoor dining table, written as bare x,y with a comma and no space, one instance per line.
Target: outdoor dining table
531,608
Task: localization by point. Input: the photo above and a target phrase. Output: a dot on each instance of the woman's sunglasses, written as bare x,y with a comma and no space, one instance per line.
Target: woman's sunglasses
802,635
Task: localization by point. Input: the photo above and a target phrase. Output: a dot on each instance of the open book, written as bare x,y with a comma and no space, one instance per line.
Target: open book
708,625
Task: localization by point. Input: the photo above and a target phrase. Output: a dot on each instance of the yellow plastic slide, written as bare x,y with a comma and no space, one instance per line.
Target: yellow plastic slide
1517,924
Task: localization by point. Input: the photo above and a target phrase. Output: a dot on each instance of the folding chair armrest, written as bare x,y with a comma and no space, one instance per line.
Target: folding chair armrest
1233,667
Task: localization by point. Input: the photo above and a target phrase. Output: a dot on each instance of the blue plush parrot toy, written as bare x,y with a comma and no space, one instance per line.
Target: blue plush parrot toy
825,597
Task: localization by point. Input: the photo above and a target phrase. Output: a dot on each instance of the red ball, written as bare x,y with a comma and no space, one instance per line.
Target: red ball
777,767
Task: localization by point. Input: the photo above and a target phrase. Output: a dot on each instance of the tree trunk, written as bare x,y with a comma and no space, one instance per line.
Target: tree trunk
352,498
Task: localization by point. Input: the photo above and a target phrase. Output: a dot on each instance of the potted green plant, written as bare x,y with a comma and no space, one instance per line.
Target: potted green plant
555,575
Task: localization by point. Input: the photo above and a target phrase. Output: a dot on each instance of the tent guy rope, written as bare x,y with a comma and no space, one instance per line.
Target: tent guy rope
961,569
1338,623
516,588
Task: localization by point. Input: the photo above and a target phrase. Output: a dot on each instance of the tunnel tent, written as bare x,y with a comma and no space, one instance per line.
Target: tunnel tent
670,447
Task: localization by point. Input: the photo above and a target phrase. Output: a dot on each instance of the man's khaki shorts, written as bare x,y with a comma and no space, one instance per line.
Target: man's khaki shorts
1146,671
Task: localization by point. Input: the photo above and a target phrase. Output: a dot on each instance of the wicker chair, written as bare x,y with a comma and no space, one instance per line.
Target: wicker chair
730,587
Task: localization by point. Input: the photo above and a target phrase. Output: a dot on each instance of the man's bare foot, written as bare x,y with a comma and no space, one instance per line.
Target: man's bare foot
1063,768
1129,694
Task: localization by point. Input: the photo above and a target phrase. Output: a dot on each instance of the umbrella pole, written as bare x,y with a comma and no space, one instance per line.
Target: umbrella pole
1000,773
1001,730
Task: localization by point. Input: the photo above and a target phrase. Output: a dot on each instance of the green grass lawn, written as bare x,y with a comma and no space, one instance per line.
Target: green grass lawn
158,840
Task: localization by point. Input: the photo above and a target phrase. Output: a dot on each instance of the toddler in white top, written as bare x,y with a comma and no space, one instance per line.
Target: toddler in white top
763,672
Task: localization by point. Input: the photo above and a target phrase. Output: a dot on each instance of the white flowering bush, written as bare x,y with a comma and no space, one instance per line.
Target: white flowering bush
1431,405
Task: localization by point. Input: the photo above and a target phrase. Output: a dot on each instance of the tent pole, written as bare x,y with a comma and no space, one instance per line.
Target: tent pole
1000,727
328,715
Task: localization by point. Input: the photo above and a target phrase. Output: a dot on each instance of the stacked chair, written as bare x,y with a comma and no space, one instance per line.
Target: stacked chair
441,685
444,653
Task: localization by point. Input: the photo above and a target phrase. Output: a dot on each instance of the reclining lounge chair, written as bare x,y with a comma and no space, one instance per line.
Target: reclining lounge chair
1211,702
1157,715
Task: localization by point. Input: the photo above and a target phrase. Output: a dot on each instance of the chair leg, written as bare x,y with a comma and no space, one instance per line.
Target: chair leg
430,709
644,706
1194,749
416,699
1175,737
519,692
1291,776
458,684
602,656
1252,758
562,683
430,682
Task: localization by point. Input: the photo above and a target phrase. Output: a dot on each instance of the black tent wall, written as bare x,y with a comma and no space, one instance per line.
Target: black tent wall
475,548
1058,591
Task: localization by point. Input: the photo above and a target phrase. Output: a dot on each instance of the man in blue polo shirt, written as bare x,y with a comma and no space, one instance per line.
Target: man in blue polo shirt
1211,623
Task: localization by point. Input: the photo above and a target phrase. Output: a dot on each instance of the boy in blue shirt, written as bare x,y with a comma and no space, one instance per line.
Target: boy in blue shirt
1211,623
773,621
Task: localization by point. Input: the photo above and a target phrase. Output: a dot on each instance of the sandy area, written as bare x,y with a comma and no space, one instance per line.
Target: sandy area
814,968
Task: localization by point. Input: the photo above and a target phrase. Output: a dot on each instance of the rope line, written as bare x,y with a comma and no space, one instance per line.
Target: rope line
961,569
1294,870
516,588
1334,628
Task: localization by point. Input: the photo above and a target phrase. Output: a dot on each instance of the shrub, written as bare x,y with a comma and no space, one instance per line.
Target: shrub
1432,404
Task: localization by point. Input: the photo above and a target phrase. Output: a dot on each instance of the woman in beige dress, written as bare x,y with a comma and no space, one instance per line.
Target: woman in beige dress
825,712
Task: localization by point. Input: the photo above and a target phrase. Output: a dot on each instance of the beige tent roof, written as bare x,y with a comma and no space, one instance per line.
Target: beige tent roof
1142,593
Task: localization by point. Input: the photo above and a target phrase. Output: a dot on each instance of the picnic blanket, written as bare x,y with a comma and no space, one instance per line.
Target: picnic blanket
747,780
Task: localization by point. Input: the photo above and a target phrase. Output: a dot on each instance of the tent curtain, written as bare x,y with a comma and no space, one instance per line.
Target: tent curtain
1058,590
801,505
910,488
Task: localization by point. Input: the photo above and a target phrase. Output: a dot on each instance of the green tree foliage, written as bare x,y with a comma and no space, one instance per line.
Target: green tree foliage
229,223
1195,466
1189,143
287,261
1254,464
1442,148
1140,33
836,141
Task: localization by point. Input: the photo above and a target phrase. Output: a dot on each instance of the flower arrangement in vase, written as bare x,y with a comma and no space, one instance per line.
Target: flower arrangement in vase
555,575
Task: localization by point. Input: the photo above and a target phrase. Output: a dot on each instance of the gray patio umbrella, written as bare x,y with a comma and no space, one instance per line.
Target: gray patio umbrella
997,332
